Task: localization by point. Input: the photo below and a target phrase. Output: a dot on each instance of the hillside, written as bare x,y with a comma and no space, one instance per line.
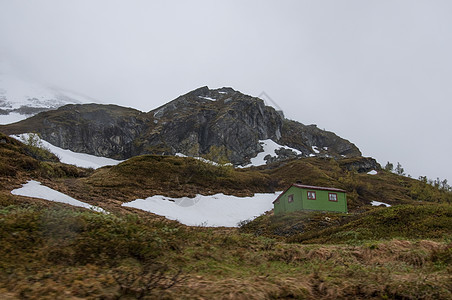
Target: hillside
50,249
223,124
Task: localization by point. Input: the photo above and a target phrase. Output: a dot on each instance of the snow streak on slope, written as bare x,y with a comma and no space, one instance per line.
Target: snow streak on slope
74,158
207,98
377,203
213,211
36,190
269,147
203,160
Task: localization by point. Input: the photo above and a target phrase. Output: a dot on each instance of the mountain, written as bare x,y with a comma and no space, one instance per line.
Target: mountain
20,99
222,124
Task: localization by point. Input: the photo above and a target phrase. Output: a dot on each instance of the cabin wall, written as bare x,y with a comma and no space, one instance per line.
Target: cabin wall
322,201
301,201
285,206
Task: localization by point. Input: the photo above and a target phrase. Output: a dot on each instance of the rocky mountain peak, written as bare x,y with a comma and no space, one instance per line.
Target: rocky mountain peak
222,123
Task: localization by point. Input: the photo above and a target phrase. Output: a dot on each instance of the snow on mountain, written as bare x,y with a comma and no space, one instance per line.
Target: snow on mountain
34,189
377,203
269,148
12,117
207,98
20,99
212,211
73,158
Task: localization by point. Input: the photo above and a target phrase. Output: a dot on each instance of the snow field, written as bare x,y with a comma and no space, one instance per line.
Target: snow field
213,211
12,118
34,189
74,158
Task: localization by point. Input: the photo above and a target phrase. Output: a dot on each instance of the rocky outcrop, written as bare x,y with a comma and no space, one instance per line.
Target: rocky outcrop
204,121
312,140
103,130
224,118
360,164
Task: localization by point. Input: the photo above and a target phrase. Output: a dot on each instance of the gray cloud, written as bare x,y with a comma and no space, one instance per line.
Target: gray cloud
375,72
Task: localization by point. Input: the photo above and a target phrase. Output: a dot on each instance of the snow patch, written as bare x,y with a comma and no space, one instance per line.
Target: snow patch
73,158
315,149
376,203
222,92
203,160
373,172
34,189
12,118
213,211
269,147
207,98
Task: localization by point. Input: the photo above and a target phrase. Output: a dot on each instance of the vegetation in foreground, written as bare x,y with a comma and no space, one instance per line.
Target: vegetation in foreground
59,252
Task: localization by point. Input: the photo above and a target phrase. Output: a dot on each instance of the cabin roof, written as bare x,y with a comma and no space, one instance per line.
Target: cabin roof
310,187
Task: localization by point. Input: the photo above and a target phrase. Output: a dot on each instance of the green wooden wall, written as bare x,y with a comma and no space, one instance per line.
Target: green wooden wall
301,201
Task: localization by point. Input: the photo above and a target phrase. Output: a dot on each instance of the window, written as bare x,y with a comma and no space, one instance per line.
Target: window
332,197
290,198
311,195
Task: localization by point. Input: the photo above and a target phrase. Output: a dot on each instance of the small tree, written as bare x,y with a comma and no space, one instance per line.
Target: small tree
444,185
32,140
399,170
423,179
36,149
389,167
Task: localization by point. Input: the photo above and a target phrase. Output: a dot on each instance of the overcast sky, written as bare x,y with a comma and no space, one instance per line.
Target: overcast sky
378,73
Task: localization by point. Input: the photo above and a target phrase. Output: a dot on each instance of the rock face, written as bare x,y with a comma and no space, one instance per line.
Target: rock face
232,122
103,130
222,123
360,164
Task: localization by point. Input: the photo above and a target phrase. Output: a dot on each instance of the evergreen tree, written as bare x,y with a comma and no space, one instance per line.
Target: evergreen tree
399,170
389,167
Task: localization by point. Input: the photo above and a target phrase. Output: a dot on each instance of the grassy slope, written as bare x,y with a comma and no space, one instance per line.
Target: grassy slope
422,221
176,176
361,188
55,251
148,175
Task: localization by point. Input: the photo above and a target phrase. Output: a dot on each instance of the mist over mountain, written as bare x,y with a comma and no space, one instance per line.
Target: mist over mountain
21,98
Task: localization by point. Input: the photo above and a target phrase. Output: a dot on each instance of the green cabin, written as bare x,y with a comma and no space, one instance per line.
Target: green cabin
307,197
